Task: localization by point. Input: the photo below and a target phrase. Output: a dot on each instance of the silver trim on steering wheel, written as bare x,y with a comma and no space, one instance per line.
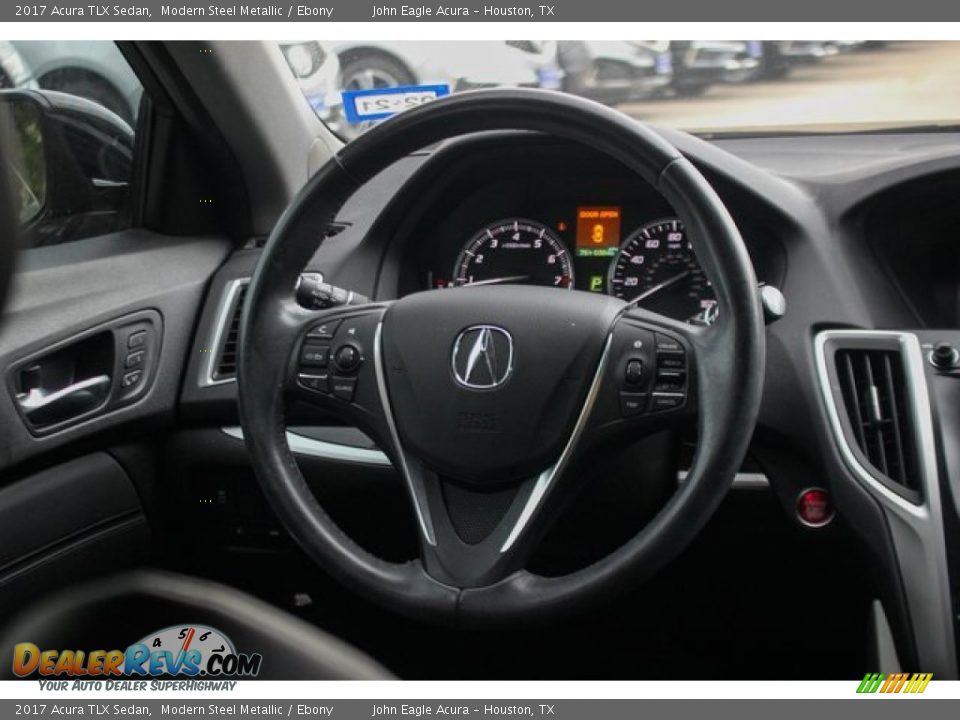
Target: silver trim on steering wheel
420,503
546,478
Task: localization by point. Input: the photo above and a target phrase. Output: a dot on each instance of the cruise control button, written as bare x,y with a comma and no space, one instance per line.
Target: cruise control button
666,401
137,339
319,382
671,379
632,404
324,331
314,355
668,344
671,361
133,359
344,388
131,378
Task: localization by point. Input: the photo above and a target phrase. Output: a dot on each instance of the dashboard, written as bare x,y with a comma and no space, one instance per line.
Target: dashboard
913,231
561,218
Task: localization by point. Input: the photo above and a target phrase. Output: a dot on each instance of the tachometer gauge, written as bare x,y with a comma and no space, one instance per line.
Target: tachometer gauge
514,251
657,265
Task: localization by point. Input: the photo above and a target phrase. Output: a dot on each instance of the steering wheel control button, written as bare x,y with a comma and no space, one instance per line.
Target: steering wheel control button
352,329
314,355
668,345
131,378
134,359
344,388
347,358
815,508
319,382
632,404
666,401
671,361
137,340
634,372
671,379
324,331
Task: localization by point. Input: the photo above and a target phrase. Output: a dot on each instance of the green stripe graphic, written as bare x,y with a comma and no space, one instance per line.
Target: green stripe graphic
871,682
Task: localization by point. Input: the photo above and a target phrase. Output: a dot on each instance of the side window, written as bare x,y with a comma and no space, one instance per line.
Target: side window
75,106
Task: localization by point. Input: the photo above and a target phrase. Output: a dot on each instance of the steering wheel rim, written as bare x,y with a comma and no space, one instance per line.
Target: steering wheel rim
729,356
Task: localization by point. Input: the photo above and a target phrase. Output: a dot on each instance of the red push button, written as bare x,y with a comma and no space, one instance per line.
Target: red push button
814,507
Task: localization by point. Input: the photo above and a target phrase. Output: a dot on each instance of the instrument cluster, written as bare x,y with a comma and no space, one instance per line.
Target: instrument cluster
652,264
551,215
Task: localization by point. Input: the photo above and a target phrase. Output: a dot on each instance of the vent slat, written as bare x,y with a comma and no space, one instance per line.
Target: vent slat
875,399
852,398
226,365
895,422
874,414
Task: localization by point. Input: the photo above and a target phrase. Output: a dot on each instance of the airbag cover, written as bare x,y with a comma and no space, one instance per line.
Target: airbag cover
486,383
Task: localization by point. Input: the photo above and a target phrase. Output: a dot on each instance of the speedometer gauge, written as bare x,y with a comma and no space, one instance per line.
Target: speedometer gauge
514,251
657,265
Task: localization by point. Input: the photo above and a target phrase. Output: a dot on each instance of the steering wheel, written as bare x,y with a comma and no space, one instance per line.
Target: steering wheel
487,398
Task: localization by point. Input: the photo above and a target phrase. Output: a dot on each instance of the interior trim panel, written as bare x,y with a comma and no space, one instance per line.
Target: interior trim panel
61,292
917,527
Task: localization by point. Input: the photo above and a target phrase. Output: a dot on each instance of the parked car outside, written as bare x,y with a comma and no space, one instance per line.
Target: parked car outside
698,64
777,58
807,51
614,72
88,69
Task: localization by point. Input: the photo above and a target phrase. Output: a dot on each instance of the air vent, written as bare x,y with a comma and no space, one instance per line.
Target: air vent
877,404
226,364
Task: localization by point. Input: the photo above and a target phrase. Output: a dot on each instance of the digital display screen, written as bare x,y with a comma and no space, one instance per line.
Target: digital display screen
598,231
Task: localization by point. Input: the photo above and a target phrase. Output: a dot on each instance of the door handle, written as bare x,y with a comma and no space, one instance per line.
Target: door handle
42,407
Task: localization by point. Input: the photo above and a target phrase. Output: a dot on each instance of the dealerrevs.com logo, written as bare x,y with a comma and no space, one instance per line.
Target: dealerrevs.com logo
910,683
191,651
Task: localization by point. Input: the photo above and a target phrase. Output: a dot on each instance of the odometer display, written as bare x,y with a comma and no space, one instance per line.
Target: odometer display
660,254
514,251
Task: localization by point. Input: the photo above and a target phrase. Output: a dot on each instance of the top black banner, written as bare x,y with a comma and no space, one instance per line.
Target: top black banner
484,11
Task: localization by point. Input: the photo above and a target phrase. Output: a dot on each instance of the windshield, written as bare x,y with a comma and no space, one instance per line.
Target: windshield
707,87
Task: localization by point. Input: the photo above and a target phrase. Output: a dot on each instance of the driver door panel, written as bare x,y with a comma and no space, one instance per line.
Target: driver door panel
68,304
74,500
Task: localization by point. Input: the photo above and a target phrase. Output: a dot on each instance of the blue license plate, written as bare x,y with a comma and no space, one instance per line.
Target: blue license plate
380,103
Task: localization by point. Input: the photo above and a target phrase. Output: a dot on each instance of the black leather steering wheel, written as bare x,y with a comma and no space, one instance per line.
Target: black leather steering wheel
487,398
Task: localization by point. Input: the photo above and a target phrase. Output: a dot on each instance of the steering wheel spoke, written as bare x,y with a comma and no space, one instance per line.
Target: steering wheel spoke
480,537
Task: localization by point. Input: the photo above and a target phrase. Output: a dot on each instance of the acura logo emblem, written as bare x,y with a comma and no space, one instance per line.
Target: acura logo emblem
483,357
